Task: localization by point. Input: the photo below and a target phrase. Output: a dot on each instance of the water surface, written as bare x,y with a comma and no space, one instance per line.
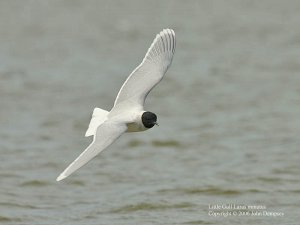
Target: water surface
228,111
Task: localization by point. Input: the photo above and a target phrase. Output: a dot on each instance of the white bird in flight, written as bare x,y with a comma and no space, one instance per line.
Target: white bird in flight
128,114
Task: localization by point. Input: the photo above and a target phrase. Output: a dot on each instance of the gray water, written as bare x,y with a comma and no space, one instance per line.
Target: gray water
228,111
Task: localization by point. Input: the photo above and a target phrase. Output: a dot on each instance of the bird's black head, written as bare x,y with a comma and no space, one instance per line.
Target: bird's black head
149,119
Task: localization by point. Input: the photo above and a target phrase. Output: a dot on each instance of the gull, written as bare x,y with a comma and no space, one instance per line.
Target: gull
128,114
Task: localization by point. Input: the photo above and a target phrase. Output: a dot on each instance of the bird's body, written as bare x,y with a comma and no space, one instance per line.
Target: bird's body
128,114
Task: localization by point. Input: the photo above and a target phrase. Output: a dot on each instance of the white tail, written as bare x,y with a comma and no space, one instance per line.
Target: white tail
98,117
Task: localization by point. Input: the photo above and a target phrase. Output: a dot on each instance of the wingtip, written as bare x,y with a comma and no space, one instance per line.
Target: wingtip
168,30
61,177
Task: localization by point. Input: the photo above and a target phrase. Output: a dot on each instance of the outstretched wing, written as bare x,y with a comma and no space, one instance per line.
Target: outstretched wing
150,72
106,134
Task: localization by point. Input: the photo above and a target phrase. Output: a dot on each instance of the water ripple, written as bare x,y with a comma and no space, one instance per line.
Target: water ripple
210,191
17,205
35,183
194,222
6,219
151,206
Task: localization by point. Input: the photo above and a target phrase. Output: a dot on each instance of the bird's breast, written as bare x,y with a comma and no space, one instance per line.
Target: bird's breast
135,127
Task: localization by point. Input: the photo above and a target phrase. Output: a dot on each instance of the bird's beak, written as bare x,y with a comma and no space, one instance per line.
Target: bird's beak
156,124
